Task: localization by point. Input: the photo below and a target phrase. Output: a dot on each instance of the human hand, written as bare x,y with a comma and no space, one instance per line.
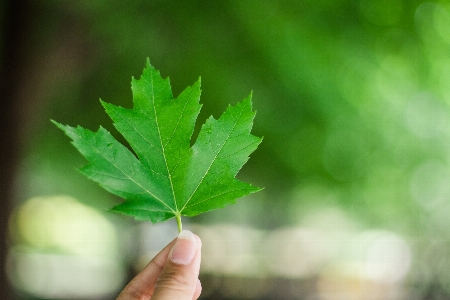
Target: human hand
172,273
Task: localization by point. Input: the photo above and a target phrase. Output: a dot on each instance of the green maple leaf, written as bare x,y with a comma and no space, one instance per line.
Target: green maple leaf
165,177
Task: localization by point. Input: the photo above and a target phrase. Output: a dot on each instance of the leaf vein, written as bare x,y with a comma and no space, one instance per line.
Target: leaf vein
215,196
137,130
179,120
130,178
215,157
243,148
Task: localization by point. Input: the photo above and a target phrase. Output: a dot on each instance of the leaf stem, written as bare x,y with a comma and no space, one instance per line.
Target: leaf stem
180,225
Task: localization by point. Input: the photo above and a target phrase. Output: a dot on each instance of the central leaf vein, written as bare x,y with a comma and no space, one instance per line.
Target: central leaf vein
162,146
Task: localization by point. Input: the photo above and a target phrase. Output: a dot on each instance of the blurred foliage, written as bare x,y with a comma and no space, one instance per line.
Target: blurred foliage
352,99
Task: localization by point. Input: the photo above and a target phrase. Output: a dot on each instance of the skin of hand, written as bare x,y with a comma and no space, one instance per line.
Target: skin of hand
172,273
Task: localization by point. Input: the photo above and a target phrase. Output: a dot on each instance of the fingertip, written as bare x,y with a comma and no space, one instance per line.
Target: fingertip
199,241
198,289
185,249
188,235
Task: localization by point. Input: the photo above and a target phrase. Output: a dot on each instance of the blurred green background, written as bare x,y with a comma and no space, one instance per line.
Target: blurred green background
352,99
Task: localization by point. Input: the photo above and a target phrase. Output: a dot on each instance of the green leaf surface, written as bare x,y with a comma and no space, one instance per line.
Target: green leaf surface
165,177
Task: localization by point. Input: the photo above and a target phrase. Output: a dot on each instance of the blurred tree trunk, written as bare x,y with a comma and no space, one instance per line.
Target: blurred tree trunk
27,60
15,28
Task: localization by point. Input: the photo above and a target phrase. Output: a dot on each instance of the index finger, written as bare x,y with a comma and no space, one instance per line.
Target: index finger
143,284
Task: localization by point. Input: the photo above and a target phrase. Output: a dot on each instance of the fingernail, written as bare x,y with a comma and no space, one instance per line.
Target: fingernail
185,248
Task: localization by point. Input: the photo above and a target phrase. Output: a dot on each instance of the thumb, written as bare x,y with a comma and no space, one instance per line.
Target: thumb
179,277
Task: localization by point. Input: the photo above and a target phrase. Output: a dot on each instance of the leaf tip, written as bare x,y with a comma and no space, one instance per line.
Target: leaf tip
107,106
258,189
248,99
59,125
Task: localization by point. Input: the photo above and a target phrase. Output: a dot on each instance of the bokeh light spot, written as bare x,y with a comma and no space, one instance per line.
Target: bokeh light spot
62,223
429,184
426,116
64,249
